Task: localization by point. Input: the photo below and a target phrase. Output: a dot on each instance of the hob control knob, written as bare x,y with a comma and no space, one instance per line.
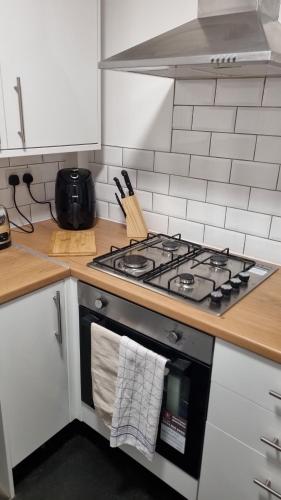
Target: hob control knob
244,277
174,337
226,289
100,303
235,283
216,297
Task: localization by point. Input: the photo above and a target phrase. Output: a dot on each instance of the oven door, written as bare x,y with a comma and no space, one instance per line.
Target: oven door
185,398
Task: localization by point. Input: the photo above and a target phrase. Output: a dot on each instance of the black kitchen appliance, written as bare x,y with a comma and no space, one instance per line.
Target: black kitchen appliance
186,389
75,198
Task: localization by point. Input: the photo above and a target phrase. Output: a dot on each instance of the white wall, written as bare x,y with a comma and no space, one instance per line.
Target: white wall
137,109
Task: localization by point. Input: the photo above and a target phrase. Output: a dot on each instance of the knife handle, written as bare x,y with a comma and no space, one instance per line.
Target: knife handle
128,182
117,182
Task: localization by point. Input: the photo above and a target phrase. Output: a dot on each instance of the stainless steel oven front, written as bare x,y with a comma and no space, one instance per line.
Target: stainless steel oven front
186,390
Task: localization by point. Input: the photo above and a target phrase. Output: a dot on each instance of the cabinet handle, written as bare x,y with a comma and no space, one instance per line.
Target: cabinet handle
275,394
274,444
267,487
21,132
56,300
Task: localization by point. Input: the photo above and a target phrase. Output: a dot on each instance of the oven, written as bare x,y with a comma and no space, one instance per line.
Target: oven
187,382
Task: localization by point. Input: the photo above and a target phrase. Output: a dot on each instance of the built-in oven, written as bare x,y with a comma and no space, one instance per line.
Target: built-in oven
187,383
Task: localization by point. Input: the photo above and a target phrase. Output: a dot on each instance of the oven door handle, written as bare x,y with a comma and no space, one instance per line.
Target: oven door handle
179,366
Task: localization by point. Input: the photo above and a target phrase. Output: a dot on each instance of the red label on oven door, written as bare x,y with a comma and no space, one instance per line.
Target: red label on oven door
173,431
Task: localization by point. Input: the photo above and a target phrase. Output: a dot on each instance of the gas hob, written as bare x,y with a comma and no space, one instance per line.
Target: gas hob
209,279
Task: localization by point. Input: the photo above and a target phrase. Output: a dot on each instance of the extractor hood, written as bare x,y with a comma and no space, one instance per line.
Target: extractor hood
230,38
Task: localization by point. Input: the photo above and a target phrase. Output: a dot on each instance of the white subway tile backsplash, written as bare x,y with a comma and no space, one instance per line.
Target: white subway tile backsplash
249,173
25,160
116,172
239,91
214,118
145,199
169,205
190,231
265,201
235,146
109,155
105,192
15,217
156,222
39,212
268,149
182,117
138,159
275,232
192,92
264,121
4,162
248,222
44,172
206,213
272,94
206,167
172,163
222,238
156,183
191,142
228,195
50,190
185,187
6,197
263,249
99,172
102,209
115,213
279,181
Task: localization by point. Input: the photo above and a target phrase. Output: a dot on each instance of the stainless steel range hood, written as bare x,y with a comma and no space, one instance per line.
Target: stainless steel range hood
230,39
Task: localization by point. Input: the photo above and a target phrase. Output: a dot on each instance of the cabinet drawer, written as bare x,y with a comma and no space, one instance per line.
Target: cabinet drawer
245,420
248,374
229,469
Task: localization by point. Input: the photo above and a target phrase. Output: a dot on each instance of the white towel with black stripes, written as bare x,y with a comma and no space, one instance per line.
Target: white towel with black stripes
138,399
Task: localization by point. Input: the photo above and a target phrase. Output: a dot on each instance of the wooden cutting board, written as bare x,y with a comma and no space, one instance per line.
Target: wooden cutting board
73,243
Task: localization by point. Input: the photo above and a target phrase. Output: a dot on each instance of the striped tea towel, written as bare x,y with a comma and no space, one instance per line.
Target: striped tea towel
139,392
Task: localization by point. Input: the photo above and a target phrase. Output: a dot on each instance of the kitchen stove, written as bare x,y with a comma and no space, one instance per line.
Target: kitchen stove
210,279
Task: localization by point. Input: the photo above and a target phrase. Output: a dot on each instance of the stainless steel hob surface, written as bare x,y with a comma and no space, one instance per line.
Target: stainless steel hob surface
208,279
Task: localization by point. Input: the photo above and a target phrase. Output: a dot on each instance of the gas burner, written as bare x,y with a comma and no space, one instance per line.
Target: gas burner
134,261
218,260
170,245
186,279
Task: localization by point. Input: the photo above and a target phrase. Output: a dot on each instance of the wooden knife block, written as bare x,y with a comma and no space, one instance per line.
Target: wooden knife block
136,226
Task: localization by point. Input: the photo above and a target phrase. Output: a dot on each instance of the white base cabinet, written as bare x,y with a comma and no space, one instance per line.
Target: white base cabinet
33,371
243,432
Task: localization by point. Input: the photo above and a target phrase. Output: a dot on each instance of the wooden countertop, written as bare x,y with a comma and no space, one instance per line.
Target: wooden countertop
254,323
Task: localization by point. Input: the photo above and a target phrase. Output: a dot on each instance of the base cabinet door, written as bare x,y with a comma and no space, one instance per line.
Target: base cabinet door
230,469
33,370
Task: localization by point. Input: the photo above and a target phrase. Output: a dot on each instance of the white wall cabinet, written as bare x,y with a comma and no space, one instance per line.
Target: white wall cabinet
33,371
243,433
52,48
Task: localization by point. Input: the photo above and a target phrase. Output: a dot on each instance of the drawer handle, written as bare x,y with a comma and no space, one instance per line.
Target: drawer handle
267,487
275,394
274,444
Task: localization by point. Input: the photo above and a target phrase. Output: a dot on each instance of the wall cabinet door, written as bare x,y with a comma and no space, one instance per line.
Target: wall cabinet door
53,49
33,371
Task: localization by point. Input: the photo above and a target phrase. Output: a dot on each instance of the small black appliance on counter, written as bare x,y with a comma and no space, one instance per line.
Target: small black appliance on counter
75,198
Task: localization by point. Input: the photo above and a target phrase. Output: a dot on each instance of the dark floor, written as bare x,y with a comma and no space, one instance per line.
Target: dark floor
81,466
